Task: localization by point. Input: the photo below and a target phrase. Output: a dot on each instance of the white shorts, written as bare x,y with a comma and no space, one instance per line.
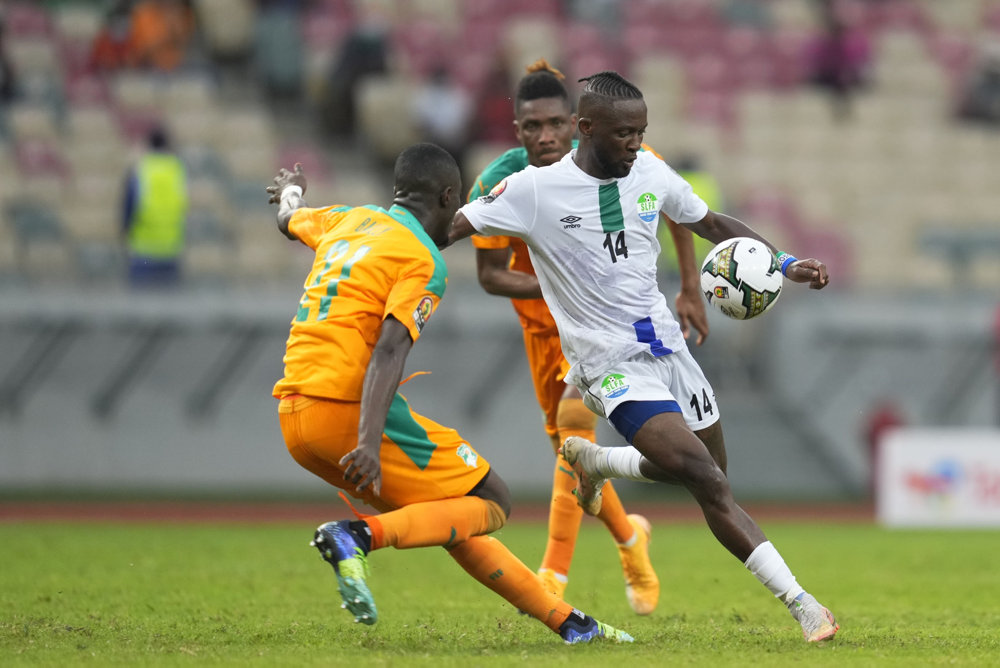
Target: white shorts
674,377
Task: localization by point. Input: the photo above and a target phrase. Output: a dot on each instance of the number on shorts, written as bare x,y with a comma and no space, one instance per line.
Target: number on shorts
703,404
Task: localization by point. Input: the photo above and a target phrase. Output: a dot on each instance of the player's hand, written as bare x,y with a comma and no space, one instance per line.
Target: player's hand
809,271
690,310
284,179
362,468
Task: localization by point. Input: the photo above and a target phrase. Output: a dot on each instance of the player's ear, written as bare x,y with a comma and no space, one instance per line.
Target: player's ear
584,125
444,199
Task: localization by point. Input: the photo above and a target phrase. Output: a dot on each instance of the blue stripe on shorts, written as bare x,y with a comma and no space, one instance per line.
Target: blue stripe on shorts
629,416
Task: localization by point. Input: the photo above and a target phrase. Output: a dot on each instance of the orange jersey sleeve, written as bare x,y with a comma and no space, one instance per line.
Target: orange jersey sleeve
309,225
647,147
490,243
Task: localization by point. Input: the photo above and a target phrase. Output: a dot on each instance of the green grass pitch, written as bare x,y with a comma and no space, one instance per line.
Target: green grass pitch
96,594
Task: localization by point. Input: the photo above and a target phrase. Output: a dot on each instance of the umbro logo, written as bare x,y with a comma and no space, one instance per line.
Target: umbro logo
571,222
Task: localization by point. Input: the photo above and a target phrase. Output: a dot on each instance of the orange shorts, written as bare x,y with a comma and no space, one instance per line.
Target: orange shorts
548,369
421,460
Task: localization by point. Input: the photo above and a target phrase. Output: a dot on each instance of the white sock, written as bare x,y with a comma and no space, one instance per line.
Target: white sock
562,577
631,541
621,462
767,566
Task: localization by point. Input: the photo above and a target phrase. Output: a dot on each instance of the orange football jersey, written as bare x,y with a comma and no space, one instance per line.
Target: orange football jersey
370,264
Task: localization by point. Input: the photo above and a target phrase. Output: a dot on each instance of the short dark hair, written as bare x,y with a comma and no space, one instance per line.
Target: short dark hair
158,138
425,168
541,81
610,84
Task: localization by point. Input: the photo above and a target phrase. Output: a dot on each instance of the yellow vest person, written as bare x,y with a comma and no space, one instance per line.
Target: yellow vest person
156,204
707,188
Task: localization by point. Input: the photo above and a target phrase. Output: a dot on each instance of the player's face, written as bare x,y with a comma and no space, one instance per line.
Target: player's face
616,133
545,127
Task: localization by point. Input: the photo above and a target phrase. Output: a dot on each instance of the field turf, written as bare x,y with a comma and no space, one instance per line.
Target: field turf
217,594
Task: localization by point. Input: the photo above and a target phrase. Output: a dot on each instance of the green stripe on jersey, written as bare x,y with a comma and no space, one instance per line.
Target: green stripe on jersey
611,207
407,433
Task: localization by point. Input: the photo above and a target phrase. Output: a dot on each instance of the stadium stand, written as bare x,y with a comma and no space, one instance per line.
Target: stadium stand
744,106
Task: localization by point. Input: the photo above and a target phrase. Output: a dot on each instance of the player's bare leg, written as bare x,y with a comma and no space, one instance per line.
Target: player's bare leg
674,454
666,450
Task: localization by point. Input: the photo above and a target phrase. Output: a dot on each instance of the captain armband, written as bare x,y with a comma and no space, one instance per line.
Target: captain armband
784,259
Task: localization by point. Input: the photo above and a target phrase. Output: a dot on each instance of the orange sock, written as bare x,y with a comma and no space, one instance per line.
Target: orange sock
564,519
613,515
446,522
489,561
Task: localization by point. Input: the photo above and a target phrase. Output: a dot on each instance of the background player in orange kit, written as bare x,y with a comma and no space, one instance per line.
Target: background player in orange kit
376,279
544,124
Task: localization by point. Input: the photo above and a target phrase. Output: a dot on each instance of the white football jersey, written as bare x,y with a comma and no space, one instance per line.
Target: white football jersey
593,245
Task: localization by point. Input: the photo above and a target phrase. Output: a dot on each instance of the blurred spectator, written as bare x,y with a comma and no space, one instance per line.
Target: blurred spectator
8,78
839,58
493,117
112,48
364,52
443,113
885,416
279,56
161,31
980,97
155,212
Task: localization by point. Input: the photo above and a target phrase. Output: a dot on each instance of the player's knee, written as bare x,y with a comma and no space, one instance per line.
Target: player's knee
710,486
497,516
493,488
574,415
711,436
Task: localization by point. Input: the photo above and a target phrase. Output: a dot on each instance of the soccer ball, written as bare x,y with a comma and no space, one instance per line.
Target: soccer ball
741,277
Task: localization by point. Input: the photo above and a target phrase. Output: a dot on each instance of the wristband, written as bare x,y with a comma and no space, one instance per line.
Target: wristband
784,259
289,191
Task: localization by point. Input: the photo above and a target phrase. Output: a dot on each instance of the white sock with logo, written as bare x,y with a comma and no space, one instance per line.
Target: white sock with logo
768,566
621,462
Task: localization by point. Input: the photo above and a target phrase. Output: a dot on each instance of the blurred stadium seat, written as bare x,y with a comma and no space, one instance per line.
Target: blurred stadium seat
228,26
525,39
384,128
32,121
76,26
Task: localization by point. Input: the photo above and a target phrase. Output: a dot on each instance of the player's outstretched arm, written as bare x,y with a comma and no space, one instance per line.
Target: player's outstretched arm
717,227
287,192
690,306
810,271
363,466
